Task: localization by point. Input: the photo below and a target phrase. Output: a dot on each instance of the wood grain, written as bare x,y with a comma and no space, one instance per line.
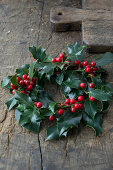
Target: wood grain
95,4
94,23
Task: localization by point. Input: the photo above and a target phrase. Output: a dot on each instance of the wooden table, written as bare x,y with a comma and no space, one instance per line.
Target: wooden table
23,23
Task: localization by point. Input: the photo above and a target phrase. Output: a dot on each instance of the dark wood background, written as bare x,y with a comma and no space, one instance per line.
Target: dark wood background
24,23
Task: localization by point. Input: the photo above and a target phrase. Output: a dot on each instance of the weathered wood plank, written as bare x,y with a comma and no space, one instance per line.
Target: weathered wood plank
60,17
19,28
98,35
94,23
95,4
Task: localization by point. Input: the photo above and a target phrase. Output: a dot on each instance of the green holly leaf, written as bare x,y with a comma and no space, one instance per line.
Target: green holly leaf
107,87
38,53
97,82
6,82
95,123
46,112
52,133
11,103
44,98
75,52
59,78
48,59
67,121
46,68
73,81
75,93
104,106
24,99
14,80
90,108
31,70
65,89
52,106
34,93
24,69
18,114
30,119
21,107
61,66
104,59
100,95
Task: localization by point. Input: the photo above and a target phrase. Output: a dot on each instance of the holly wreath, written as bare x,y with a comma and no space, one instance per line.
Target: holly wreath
86,91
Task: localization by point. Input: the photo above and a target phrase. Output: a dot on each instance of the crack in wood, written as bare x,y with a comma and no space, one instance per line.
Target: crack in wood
66,146
41,157
4,117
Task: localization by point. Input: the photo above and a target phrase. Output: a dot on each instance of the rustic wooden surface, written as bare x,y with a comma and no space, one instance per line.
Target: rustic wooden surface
95,4
23,23
94,23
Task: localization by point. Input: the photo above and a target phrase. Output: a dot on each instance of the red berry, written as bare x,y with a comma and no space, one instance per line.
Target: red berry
32,83
34,79
77,62
91,85
85,63
39,104
27,82
60,111
22,91
67,101
35,103
82,85
51,118
88,66
13,91
18,79
72,101
13,87
53,60
21,82
76,105
61,55
28,77
58,59
88,69
73,109
95,68
75,68
92,99
93,64
80,105
29,87
80,98
24,76
34,59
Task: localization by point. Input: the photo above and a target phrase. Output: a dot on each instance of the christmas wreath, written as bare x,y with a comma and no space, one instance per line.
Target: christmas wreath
86,92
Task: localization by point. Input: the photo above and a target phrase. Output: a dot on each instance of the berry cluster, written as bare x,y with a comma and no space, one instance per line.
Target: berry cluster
88,68
58,59
24,84
71,104
38,104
